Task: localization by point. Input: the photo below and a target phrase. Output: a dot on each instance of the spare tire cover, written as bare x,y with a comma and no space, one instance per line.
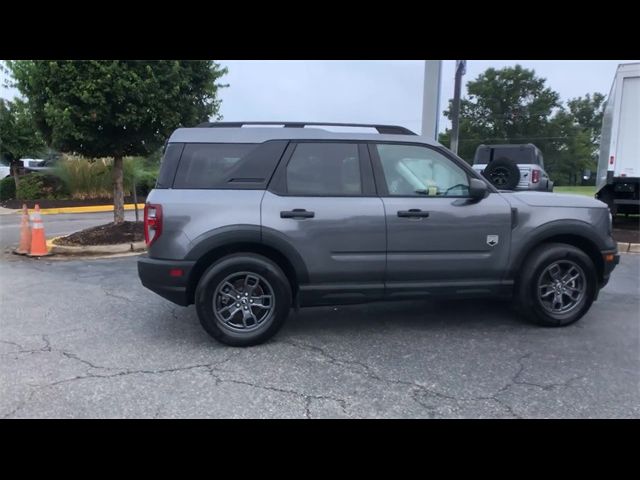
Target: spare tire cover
503,173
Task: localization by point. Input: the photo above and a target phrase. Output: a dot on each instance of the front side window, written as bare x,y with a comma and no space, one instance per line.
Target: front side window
412,170
324,169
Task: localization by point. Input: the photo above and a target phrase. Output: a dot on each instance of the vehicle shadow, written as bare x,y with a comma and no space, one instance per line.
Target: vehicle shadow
423,315
436,316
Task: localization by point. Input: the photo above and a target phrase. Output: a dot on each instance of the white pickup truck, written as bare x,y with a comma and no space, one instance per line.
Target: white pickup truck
5,169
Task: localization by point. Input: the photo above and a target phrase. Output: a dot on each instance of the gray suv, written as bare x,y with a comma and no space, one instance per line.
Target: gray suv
247,222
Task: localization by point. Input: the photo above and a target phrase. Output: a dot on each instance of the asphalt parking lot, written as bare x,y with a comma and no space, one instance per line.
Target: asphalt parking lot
83,339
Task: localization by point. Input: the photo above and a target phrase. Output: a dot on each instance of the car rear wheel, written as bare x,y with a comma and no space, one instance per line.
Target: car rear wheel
557,286
243,299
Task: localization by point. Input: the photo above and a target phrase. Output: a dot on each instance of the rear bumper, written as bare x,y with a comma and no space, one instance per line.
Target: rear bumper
155,275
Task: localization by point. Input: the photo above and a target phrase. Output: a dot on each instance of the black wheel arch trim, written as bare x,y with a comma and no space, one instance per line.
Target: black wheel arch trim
278,241
252,234
543,233
220,237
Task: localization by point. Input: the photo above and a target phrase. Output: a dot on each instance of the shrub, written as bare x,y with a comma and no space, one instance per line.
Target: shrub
35,186
7,189
84,178
93,178
146,181
30,187
53,187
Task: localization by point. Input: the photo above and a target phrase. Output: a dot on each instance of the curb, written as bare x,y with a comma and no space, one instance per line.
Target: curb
624,247
95,249
89,209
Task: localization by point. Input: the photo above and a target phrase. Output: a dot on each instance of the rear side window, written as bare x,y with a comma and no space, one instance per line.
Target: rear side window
324,169
169,164
209,165
483,154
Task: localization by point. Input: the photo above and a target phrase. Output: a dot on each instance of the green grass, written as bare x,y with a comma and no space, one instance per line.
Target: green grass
588,191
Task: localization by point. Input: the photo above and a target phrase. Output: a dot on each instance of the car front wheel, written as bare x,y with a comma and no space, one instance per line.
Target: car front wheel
557,285
243,299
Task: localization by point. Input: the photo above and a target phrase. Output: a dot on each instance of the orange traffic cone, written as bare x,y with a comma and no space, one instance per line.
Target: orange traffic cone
25,233
38,241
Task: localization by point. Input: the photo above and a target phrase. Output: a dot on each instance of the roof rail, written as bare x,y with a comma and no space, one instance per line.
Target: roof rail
382,129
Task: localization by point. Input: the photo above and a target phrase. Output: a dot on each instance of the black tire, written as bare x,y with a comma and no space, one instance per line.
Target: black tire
534,271
238,264
503,173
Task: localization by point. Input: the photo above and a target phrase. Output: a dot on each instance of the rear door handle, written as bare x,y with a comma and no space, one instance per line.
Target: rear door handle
413,213
297,213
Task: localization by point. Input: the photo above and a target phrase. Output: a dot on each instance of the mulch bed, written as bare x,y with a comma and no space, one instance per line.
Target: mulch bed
17,204
109,234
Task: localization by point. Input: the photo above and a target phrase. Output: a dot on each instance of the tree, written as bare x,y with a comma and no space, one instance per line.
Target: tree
117,108
512,105
568,149
587,113
19,137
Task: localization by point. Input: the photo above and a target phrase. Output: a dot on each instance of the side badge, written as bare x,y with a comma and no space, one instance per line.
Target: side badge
492,240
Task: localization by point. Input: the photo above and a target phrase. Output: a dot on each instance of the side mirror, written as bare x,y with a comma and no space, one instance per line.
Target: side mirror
477,189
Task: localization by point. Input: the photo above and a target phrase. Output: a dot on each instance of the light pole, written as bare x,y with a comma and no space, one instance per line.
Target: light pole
431,98
461,69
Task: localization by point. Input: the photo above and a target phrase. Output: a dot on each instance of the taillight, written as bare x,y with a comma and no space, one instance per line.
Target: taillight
611,159
535,176
152,222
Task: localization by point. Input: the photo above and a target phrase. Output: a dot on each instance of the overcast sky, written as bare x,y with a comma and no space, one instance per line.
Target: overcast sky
380,91
385,91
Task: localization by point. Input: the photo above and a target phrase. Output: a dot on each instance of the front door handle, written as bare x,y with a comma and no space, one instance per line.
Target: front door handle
297,213
413,213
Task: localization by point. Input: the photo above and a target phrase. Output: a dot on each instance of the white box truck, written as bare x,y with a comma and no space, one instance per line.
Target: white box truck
618,183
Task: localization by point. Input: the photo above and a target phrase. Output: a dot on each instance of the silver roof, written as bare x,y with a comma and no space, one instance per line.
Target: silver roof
263,134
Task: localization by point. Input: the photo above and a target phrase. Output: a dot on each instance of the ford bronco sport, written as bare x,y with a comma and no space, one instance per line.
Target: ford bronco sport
513,167
247,222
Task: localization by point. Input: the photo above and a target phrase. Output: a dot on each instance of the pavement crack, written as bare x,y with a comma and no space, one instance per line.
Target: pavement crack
368,372
505,405
305,397
47,343
20,406
7,342
21,349
115,295
516,379
418,390
122,373
73,356
307,408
